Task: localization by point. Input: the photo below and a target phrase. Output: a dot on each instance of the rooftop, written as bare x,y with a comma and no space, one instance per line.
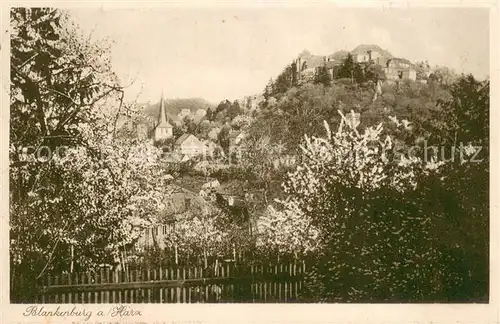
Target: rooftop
183,137
363,48
399,60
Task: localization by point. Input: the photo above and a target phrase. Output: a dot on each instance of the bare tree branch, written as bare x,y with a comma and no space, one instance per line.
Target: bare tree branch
28,60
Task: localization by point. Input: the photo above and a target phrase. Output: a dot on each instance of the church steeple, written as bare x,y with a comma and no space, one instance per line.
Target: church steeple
162,115
163,129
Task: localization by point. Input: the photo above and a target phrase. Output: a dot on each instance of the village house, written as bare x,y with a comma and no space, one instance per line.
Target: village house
174,157
400,69
251,103
189,145
254,102
211,184
163,129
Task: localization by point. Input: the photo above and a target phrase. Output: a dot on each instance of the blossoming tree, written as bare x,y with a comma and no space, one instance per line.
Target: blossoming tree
79,193
345,204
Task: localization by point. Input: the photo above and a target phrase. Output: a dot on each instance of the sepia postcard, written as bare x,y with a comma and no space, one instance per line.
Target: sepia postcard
291,162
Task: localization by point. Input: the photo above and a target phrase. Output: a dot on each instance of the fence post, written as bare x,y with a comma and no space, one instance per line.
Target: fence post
295,279
189,287
287,271
160,277
230,286
148,278
178,290
82,281
47,297
183,287
56,282
89,280
252,288
172,290
265,272
278,280
101,280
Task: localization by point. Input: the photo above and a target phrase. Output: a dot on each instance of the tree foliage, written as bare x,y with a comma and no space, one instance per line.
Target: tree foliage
466,115
347,68
85,199
380,213
323,77
234,110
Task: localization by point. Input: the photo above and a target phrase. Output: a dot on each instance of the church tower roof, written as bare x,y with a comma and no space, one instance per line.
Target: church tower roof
162,115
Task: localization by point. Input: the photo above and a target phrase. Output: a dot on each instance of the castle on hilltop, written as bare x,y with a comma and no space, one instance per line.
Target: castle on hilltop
307,66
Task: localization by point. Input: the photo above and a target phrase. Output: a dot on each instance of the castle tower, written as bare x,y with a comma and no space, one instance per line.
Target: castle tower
163,129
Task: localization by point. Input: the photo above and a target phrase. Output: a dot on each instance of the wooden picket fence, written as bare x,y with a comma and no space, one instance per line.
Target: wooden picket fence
217,284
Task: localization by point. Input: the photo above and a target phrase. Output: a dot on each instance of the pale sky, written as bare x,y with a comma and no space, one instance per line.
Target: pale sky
232,52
